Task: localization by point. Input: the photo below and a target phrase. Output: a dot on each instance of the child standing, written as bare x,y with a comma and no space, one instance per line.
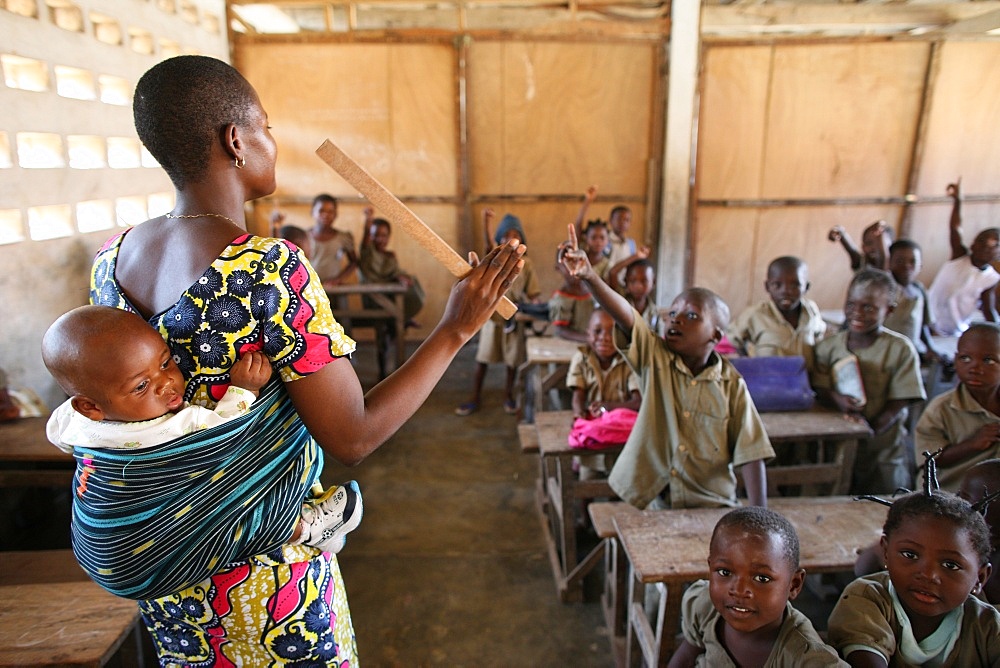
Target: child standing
786,324
743,616
571,304
923,609
912,316
697,420
501,340
967,280
134,399
875,240
964,422
890,373
334,256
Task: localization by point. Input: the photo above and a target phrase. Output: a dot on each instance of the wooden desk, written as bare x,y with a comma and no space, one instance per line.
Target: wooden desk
554,354
558,496
27,459
388,298
670,548
825,428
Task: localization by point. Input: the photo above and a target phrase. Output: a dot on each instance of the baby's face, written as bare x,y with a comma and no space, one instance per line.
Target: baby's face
751,579
141,384
932,565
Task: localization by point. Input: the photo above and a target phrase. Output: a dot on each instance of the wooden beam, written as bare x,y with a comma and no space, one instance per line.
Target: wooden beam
682,87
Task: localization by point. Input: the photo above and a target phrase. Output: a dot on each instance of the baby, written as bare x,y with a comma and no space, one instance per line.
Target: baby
126,392
743,615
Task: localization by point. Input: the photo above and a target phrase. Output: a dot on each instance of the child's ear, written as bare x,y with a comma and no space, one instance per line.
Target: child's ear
795,585
87,407
884,542
892,307
982,577
717,334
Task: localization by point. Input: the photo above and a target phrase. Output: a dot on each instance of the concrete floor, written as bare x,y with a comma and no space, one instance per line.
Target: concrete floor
448,566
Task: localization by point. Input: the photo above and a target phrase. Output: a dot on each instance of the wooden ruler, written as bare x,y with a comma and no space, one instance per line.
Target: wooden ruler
399,214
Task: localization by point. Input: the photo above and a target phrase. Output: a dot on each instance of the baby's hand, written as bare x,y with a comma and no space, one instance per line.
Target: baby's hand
836,233
986,437
251,372
575,260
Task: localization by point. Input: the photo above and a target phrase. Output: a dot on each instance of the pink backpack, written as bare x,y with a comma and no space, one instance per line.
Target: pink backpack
610,429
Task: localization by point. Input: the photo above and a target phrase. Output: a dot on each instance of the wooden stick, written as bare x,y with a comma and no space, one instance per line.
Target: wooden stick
399,214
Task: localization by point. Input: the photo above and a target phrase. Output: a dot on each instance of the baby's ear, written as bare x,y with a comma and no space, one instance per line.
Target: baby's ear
87,407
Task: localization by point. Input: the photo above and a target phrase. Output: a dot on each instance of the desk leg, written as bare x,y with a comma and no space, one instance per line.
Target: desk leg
566,482
637,626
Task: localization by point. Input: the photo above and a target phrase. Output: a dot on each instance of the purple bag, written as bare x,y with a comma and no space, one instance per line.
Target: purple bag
776,383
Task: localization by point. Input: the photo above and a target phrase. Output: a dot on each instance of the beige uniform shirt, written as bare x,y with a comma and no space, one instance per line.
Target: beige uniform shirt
797,645
949,419
761,331
614,384
691,430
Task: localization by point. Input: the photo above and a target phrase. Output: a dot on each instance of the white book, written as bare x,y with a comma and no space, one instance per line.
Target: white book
846,374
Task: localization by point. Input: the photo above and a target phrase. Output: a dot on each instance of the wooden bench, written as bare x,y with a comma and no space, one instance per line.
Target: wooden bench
382,305
669,548
52,614
27,459
615,586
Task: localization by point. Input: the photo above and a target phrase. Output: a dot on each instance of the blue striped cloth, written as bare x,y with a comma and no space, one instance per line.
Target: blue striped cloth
154,521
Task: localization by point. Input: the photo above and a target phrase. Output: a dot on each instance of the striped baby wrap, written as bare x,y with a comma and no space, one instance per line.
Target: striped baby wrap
151,522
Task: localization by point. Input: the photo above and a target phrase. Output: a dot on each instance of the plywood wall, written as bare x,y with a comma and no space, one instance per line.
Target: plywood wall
837,123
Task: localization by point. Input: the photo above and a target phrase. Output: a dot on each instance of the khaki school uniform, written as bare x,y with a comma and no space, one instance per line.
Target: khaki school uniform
761,331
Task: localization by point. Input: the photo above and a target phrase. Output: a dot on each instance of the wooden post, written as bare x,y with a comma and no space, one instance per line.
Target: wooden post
399,214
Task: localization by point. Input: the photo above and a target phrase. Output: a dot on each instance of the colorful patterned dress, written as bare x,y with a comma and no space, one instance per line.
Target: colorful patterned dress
287,607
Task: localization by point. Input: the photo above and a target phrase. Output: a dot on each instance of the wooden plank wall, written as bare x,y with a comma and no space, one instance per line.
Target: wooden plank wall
545,120
837,122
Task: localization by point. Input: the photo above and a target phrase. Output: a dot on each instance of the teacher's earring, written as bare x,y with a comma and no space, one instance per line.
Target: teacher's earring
240,162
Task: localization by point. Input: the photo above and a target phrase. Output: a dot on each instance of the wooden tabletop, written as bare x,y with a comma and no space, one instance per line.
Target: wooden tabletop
550,350
672,545
62,624
366,288
810,425
23,440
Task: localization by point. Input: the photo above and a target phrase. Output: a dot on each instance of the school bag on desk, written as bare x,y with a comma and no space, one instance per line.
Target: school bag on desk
776,383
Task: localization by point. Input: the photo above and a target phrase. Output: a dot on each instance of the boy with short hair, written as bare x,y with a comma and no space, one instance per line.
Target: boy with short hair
786,324
965,421
890,373
743,616
875,240
697,420
912,316
967,280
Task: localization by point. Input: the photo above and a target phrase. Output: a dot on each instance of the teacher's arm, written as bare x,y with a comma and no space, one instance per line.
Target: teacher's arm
348,424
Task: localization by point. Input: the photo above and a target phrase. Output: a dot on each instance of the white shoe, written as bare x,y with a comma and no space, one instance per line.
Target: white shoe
327,520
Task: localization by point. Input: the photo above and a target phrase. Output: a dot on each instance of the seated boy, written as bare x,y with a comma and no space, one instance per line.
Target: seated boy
697,420
743,615
640,278
127,393
966,282
571,304
786,324
912,316
875,240
890,375
965,421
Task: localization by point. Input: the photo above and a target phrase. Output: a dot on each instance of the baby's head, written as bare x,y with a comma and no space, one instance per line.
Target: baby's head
696,321
980,480
871,297
601,334
639,279
787,280
985,248
753,564
113,365
936,548
620,219
595,236
977,358
904,261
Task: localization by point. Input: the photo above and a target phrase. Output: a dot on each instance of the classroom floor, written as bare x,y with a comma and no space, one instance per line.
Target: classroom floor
448,566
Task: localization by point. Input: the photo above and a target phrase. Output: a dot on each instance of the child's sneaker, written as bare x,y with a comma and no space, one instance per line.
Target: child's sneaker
328,519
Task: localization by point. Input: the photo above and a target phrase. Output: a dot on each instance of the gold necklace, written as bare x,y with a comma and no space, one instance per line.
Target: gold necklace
201,215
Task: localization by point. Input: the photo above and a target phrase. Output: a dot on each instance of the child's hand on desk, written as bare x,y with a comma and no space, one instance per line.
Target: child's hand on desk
574,259
251,372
